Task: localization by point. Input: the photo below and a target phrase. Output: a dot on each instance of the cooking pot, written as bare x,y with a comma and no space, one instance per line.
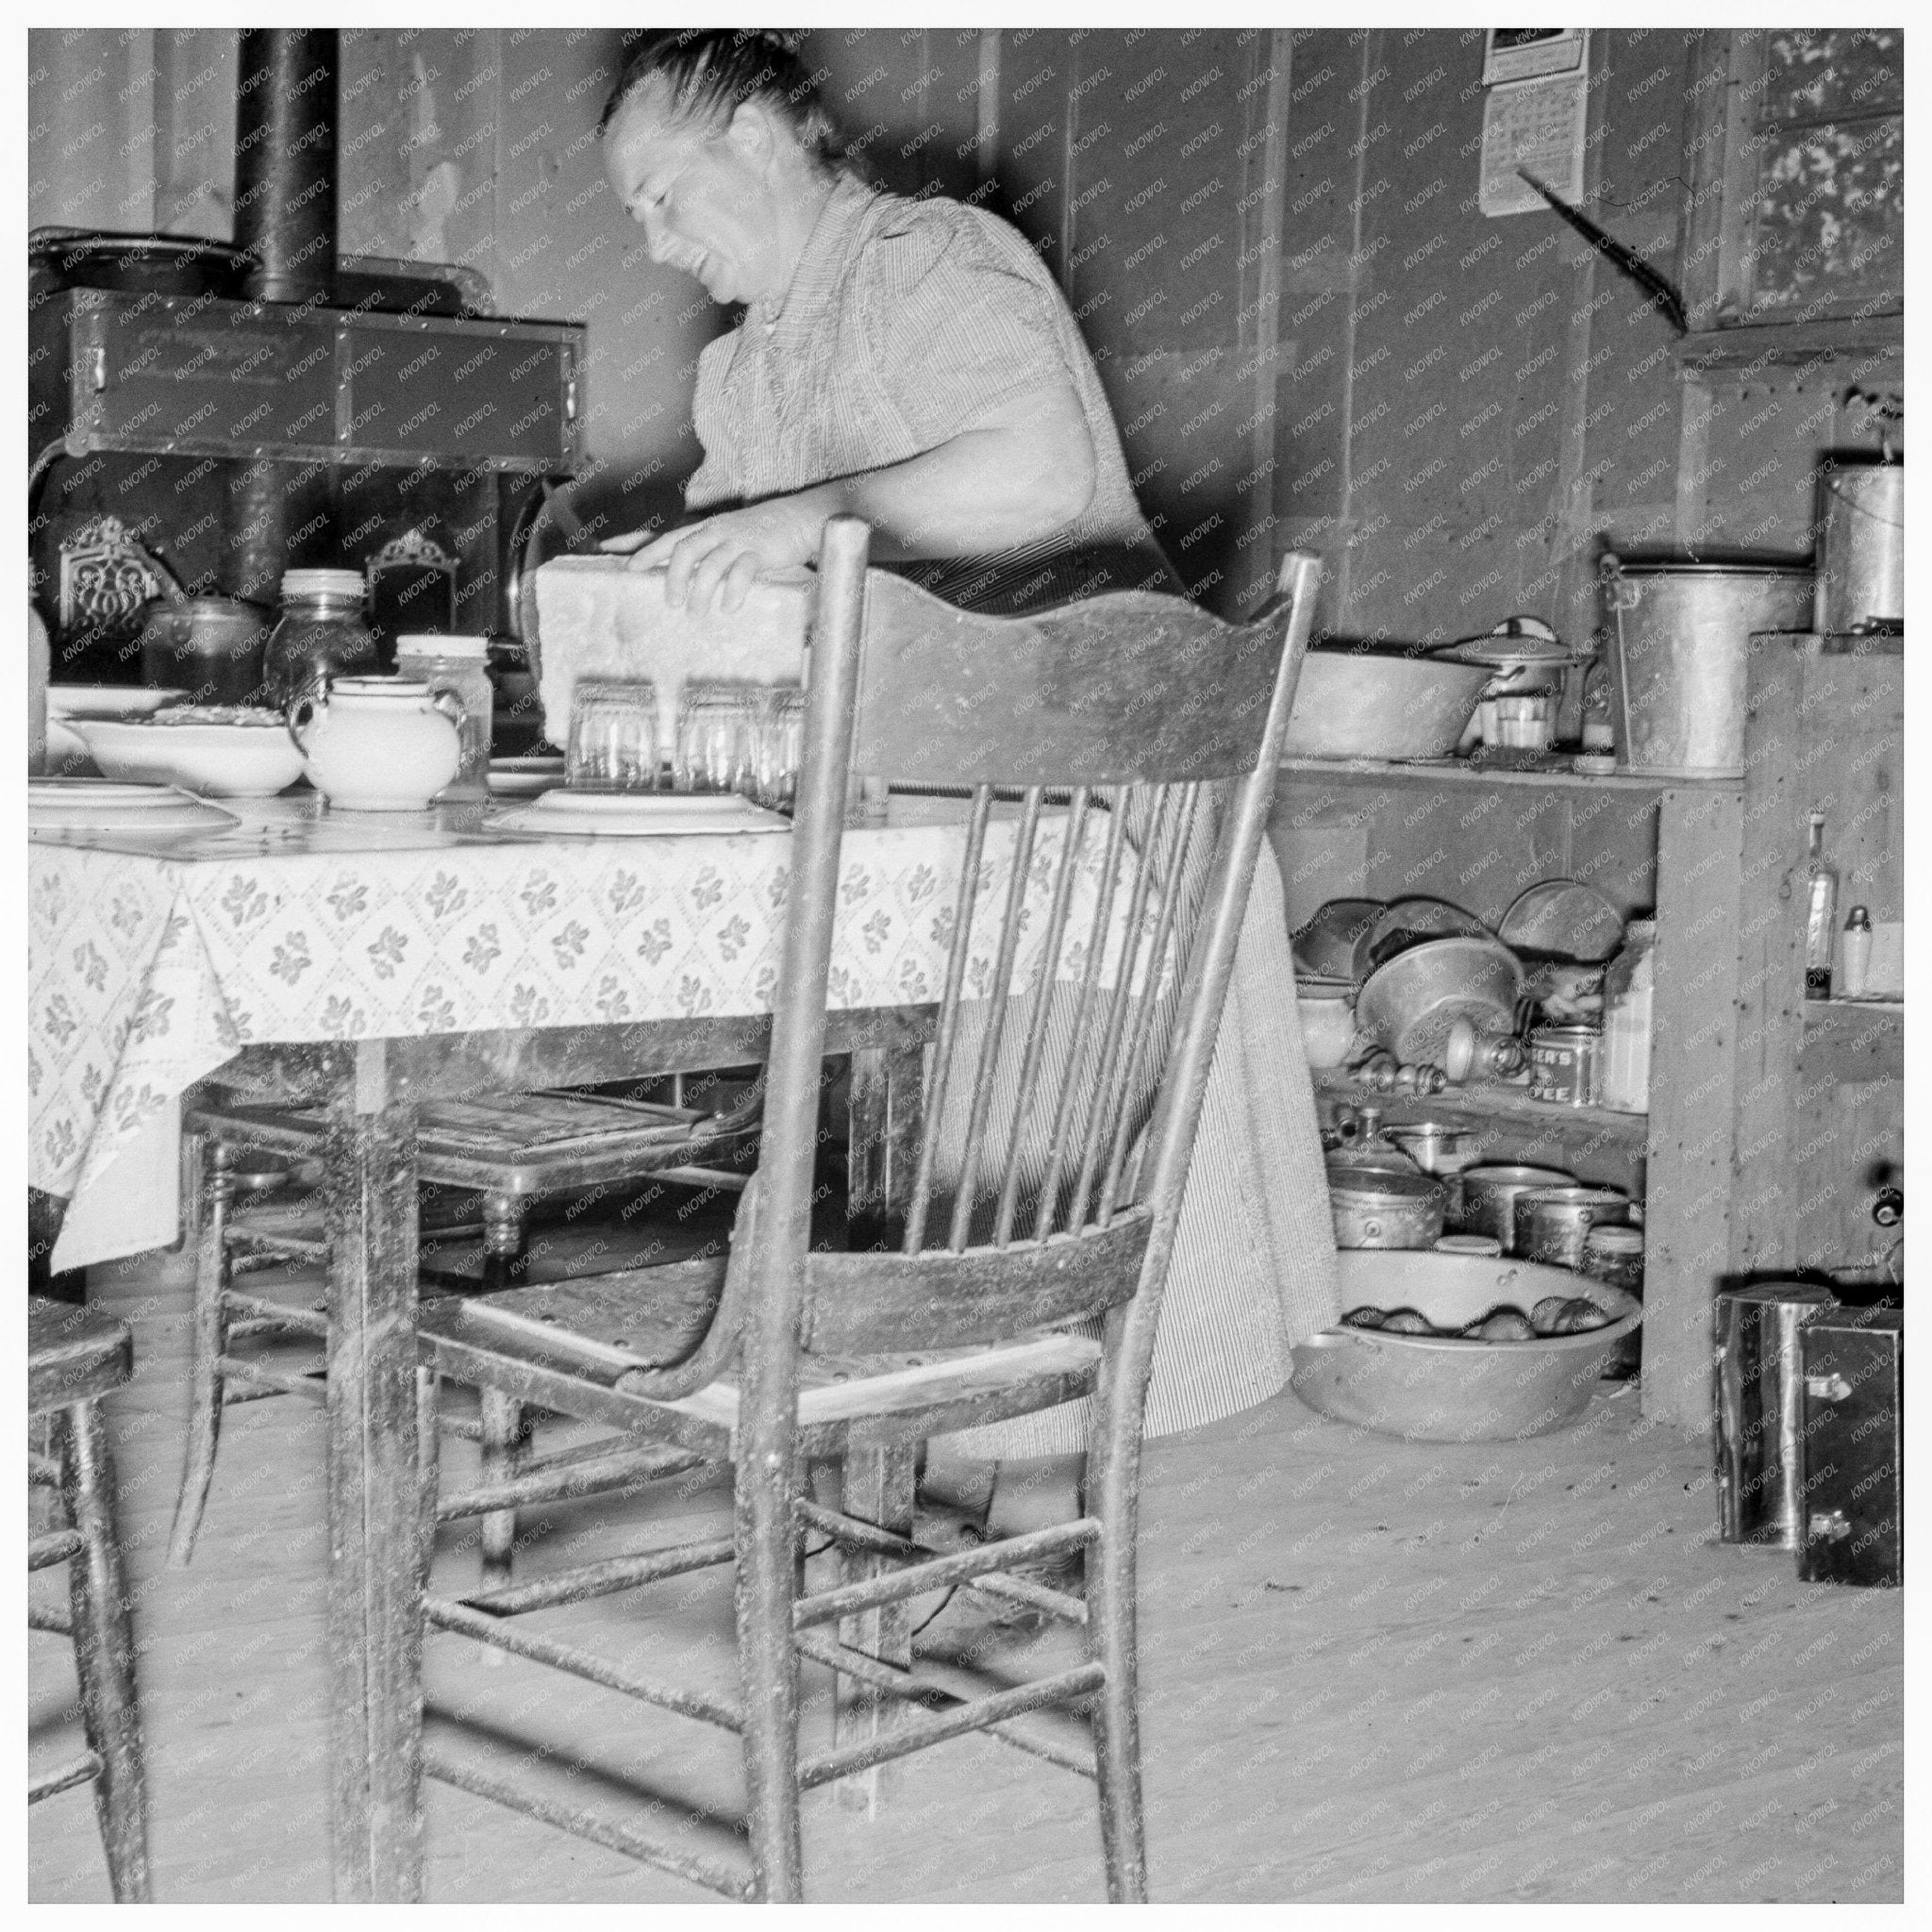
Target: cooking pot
137,264
1680,643
1524,656
1377,1207
1411,1003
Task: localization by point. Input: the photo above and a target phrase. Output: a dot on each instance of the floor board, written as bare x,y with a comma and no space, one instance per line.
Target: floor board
1372,1671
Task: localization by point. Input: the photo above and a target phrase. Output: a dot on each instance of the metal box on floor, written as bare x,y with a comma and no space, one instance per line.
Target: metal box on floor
1851,1523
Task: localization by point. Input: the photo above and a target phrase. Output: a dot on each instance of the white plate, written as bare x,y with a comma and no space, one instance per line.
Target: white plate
523,777
108,700
93,804
643,814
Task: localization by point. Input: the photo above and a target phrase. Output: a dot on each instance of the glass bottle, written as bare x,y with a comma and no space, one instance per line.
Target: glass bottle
1854,954
461,665
1820,908
321,633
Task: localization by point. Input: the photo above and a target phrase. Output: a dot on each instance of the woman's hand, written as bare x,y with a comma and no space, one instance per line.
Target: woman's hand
718,557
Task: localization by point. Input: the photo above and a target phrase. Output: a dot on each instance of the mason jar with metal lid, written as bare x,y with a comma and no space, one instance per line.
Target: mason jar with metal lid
461,665
1613,1253
321,633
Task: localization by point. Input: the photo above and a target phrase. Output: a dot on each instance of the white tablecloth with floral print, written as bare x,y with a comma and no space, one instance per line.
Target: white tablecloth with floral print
150,963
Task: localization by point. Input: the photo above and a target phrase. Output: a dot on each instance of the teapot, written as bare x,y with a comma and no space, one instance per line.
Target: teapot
378,743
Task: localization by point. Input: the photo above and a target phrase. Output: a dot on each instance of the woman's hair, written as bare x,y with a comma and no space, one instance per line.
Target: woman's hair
713,69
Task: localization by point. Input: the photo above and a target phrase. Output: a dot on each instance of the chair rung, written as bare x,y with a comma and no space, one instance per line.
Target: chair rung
585,1825
49,1617
446,1615
257,1308
548,1484
65,1778
602,1579
922,1686
54,1547
308,1387
959,1567
858,1534
980,1714
42,1469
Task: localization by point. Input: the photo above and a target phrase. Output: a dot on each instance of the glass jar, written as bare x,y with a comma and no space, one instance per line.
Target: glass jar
1615,1255
1628,987
460,665
321,633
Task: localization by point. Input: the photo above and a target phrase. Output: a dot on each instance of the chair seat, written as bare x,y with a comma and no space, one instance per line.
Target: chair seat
73,1355
572,1347
512,1143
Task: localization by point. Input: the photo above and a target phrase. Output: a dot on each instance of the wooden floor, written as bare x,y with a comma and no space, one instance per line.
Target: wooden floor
1372,1670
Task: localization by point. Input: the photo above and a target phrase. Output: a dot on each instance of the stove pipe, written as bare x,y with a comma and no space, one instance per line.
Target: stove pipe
285,162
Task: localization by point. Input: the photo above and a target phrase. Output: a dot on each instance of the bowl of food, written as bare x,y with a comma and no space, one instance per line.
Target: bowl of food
1461,1348
220,750
1364,704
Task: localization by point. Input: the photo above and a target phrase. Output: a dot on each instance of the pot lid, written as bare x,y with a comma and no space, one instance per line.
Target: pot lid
1516,641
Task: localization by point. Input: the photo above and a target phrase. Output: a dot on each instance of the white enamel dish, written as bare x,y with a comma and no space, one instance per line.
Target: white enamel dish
218,760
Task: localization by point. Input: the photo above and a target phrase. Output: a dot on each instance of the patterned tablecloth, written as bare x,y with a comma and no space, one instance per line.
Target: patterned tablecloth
151,964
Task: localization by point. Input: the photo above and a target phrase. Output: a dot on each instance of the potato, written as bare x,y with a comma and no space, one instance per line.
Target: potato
1503,1323
1364,1317
1407,1322
1547,1312
1578,1315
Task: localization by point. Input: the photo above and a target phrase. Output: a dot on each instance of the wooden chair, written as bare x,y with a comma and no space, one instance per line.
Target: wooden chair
74,1359
506,1150
1030,1275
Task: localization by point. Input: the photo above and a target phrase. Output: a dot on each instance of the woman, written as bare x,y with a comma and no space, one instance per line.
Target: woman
911,362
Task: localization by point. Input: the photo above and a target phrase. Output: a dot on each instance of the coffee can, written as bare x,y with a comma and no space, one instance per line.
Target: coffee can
1565,1064
1758,1373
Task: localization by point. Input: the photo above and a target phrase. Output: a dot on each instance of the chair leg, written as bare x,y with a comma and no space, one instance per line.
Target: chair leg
506,1441
209,1342
768,1672
104,1650
1110,1628
877,1488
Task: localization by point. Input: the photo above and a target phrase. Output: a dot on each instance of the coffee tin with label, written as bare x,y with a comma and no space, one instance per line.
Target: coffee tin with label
1565,1064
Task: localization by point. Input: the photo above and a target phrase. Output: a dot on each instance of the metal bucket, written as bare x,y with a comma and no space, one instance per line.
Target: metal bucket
1861,578
1552,1223
1681,641
1385,1209
1760,1376
1489,1197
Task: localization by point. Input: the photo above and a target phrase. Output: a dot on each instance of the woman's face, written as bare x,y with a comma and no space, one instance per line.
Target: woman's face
701,190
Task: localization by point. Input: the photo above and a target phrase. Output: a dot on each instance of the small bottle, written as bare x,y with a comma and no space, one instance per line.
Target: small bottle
1854,954
1820,901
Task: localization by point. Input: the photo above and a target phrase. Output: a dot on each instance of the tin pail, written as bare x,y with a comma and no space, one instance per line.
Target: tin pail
1861,578
1681,641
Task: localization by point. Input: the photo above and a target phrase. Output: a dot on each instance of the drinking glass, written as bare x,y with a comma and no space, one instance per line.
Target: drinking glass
613,736
780,749
717,728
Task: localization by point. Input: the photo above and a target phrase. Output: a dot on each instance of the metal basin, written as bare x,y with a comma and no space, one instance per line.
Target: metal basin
1411,1003
1444,1388
1381,705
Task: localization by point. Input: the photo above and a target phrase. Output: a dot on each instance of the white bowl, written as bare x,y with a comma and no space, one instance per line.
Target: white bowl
1327,1017
217,761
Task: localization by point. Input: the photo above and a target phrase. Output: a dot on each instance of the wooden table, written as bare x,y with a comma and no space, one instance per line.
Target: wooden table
266,883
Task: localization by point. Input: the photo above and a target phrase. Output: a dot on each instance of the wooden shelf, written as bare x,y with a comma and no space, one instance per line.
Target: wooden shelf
1853,1041
1466,772
1489,1103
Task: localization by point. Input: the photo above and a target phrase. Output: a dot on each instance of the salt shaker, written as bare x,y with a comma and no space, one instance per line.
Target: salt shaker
1854,954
